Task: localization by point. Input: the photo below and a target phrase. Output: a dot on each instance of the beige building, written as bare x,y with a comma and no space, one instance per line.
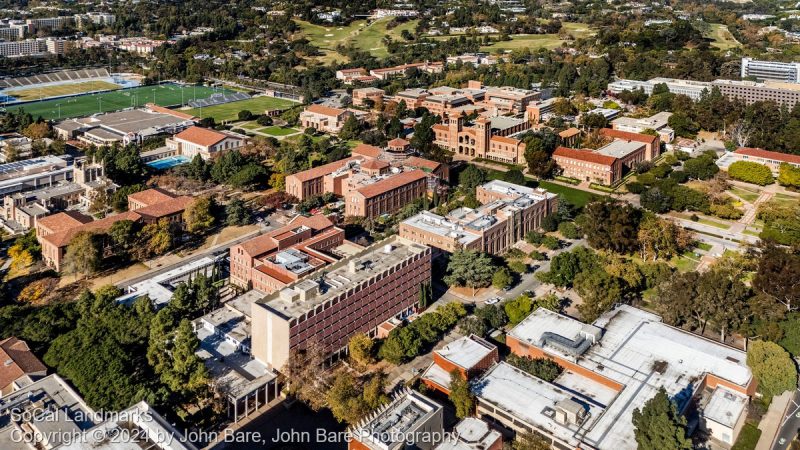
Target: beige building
507,213
205,142
372,94
487,138
324,119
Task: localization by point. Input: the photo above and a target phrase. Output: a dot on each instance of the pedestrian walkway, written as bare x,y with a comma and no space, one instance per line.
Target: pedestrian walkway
771,422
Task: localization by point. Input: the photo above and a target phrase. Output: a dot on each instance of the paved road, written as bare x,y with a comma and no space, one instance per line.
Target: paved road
214,250
790,425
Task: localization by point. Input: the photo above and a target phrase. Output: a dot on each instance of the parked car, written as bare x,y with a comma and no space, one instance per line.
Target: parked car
493,300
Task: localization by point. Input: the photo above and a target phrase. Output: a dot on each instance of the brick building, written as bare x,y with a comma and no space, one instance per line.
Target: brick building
271,261
586,165
20,366
375,95
353,295
470,356
507,213
56,231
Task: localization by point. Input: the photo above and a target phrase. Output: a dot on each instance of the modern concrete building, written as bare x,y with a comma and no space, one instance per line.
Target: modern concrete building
473,434
34,173
124,127
15,146
507,213
771,70
470,356
410,420
353,295
657,122
611,368
747,91
205,142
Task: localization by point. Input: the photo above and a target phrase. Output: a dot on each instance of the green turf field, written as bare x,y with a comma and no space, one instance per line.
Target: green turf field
58,90
537,41
85,105
278,131
230,111
721,37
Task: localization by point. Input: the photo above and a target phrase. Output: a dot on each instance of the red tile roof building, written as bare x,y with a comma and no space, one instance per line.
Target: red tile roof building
586,165
17,362
324,118
205,142
149,206
773,160
271,261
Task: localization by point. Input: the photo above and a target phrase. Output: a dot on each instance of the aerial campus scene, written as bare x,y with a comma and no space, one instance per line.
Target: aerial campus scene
386,225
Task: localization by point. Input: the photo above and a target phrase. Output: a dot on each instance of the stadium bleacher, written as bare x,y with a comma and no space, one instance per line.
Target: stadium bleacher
219,99
54,77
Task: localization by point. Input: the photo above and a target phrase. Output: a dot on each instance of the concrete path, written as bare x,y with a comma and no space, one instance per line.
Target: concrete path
771,422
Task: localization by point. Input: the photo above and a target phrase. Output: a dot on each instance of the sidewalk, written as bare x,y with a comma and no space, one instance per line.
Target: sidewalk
771,422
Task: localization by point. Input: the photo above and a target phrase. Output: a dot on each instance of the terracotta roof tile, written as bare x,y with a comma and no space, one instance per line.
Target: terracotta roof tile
627,135
398,142
63,221
391,183
506,140
367,150
265,243
63,238
325,110
422,163
17,360
321,171
374,164
584,155
151,196
761,153
201,136
166,208
569,132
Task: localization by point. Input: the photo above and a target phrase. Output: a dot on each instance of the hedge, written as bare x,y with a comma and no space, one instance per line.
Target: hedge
751,172
567,179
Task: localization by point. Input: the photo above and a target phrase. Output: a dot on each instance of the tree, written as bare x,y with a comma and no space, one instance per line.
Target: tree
198,215
186,372
751,172
611,225
360,348
772,366
544,368
471,269
683,125
472,325
778,276
658,425
530,441
460,395
245,115
236,213
569,230
599,291
789,176
539,163
403,343
502,278
471,177
514,176
493,315
37,131
594,120
83,254
154,239
344,400
351,129
701,168
518,309
662,239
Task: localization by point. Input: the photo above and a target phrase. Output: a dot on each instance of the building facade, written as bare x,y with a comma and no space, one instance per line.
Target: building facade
205,142
771,70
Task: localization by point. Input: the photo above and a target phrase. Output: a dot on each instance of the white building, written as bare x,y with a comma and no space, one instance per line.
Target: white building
771,70
205,142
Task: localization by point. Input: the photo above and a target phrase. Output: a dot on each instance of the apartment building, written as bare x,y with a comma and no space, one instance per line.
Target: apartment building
324,119
271,261
409,420
612,367
773,160
55,232
205,142
771,70
354,295
28,47
470,356
658,122
507,213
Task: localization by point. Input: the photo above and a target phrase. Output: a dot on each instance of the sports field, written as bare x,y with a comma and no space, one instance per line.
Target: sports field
58,90
721,37
85,105
368,38
230,111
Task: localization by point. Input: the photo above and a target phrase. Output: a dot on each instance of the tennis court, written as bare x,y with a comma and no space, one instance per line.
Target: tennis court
85,105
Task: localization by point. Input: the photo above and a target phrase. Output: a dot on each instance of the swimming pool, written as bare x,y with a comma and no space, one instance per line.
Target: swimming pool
167,163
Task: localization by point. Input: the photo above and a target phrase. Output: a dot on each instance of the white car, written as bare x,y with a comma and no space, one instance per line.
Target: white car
493,300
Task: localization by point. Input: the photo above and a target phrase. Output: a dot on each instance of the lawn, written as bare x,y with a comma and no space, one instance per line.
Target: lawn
714,223
85,105
721,37
44,92
575,196
366,37
748,437
684,263
745,194
278,131
536,41
230,111
704,246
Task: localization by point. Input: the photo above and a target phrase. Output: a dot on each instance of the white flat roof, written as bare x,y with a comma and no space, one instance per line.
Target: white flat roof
441,226
471,434
725,406
640,353
620,149
531,400
467,351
